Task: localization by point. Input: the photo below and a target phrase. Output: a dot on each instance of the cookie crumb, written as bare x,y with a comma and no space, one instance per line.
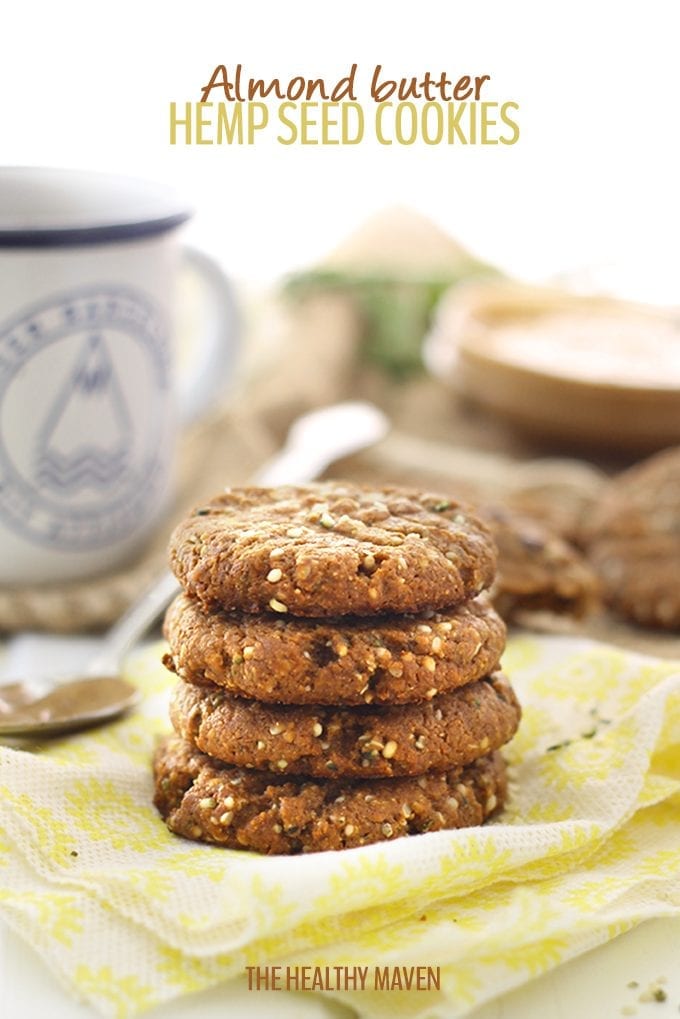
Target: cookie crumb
654,992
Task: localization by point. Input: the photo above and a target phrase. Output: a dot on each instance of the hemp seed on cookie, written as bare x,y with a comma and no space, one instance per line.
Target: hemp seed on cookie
203,799
332,550
370,742
348,660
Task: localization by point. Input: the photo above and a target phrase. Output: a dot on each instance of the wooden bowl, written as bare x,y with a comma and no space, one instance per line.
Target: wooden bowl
579,370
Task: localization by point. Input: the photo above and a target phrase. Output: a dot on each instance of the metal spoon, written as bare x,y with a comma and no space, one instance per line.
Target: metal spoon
46,706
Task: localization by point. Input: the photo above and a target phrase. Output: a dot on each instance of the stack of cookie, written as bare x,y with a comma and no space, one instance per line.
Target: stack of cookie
338,671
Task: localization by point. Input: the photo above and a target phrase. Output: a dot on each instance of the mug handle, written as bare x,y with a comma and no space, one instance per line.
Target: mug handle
209,316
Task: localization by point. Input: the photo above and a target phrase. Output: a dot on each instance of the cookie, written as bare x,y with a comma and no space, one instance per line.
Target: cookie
201,798
632,539
367,742
537,570
342,661
331,550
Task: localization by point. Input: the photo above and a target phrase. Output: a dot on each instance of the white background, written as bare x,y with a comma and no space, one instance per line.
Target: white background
593,179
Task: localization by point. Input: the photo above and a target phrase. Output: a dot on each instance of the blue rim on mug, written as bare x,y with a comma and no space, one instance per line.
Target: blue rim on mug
44,207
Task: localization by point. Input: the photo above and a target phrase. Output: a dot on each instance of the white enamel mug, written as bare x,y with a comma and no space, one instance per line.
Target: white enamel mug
90,398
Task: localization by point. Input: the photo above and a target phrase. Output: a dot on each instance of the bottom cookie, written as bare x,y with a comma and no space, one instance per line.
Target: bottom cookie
201,798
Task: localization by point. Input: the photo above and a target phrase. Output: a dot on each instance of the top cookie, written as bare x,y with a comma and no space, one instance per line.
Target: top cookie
332,549
633,540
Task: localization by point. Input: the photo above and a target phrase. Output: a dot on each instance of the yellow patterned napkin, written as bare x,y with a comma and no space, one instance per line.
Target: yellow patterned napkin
129,916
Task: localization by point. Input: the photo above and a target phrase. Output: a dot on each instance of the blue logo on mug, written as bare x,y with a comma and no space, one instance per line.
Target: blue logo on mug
93,367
